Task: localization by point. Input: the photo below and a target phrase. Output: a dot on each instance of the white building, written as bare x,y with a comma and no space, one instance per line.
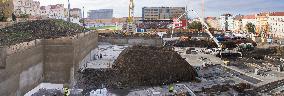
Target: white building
226,22
29,7
53,11
248,19
76,13
238,24
276,24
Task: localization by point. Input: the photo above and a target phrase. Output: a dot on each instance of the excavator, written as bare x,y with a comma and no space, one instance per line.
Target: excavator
222,51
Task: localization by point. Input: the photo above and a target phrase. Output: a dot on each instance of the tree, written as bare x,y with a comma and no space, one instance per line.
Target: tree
81,20
195,25
250,27
6,9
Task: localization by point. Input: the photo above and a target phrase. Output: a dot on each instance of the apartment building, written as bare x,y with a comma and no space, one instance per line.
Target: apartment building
29,7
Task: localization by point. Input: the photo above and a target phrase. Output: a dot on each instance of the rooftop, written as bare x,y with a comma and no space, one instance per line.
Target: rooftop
276,14
249,17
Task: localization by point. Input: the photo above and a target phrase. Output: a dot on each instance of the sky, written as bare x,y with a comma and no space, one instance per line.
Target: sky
212,7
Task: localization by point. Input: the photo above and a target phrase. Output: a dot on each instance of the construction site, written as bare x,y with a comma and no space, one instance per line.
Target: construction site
48,57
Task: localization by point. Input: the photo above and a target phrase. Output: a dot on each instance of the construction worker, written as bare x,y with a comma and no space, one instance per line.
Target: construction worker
171,88
66,90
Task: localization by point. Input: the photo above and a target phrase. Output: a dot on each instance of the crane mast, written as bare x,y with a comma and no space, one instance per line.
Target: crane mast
130,20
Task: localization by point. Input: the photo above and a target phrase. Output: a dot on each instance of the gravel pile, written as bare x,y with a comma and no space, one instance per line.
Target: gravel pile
140,66
39,29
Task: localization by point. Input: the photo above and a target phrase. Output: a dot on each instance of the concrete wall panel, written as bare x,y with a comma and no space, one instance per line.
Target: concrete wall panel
53,60
2,58
31,78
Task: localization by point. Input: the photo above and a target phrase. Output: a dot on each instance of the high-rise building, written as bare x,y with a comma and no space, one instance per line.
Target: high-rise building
162,13
100,14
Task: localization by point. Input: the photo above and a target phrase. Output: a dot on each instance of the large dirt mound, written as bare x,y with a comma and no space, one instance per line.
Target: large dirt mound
27,31
141,66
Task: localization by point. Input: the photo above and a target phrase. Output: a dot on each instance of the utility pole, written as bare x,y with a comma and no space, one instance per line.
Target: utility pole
83,17
68,11
203,13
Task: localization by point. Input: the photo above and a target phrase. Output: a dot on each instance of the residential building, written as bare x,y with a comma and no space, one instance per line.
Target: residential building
76,13
226,22
238,24
53,11
213,22
262,24
248,19
29,7
162,13
276,24
100,14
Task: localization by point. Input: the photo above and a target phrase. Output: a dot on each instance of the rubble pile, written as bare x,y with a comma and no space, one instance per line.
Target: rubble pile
27,31
141,66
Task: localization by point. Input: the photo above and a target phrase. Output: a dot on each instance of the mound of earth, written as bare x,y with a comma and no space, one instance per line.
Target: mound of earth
146,66
39,29
141,66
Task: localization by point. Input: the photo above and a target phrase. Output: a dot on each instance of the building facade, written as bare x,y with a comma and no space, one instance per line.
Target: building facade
276,24
76,13
53,11
28,7
100,14
262,23
238,24
226,22
213,22
162,13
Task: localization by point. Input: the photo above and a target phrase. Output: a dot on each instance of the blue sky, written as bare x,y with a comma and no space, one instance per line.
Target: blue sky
212,7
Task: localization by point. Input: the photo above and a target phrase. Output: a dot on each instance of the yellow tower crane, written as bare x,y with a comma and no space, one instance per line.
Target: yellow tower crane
130,21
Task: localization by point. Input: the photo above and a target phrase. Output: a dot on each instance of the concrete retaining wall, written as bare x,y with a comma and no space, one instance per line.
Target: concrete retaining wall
22,72
133,41
3,57
28,64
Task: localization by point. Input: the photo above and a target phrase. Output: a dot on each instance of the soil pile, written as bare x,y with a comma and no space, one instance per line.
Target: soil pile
147,66
141,66
39,29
